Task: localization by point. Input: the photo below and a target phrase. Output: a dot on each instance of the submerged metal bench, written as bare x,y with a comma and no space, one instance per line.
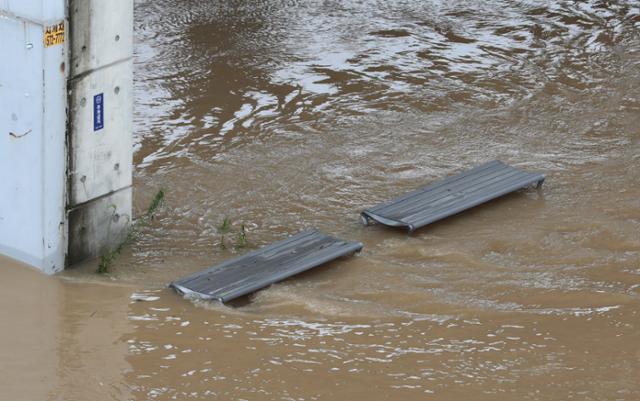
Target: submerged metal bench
258,269
451,195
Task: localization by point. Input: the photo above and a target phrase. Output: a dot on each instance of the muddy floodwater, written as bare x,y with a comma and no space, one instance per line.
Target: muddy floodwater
284,116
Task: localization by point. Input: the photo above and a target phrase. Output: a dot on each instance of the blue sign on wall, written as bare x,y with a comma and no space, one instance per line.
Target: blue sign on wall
98,112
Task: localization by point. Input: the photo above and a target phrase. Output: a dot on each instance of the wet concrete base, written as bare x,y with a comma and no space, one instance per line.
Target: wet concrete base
99,225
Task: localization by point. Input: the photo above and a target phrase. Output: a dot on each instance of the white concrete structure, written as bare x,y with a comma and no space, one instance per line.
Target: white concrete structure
32,134
65,128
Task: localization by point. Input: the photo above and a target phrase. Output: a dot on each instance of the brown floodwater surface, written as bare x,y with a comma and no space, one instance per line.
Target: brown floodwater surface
288,115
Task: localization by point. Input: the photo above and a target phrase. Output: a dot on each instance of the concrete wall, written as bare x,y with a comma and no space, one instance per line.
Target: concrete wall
100,129
32,132
66,109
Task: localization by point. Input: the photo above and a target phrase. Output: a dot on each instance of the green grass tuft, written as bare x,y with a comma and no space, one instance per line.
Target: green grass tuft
133,231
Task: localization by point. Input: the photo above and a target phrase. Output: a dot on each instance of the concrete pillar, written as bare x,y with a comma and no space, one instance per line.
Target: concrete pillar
33,76
66,110
100,125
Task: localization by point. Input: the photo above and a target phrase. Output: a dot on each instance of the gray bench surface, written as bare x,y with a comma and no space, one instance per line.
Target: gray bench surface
451,195
263,267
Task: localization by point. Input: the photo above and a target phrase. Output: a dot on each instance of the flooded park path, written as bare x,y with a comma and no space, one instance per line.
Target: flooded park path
283,116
